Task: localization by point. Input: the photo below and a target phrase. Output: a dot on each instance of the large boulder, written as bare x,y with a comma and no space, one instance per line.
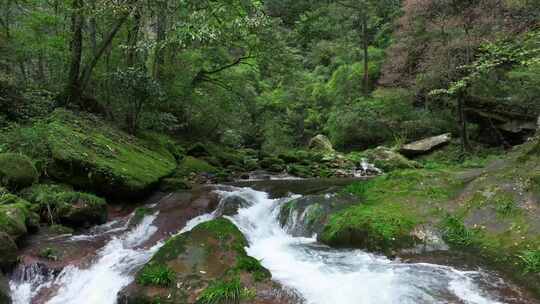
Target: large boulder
193,267
16,171
388,160
67,207
425,145
321,143
94,156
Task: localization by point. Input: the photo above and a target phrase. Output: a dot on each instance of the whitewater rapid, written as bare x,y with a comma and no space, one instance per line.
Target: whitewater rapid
317,273
328,276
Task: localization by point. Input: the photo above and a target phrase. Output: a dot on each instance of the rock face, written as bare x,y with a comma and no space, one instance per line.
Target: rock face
16,171
206,265
4,290
389,160
425,145
91,155
321,143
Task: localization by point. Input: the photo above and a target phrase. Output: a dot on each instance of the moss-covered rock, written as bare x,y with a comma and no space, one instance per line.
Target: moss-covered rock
196,170
209,257
91,155
174,184
17,171
57,203
389,160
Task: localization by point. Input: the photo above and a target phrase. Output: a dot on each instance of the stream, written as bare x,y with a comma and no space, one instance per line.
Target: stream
317,273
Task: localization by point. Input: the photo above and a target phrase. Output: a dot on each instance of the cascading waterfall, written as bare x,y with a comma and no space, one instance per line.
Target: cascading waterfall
326,276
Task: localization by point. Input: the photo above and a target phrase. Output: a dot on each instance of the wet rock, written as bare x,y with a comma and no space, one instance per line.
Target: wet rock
17,171
308,215
425,145
389,160
321,143
202,263
4,290
8,251
231,204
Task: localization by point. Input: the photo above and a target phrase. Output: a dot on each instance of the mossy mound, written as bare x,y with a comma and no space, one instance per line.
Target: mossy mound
59,204
94,156
82,150
209,262
17,171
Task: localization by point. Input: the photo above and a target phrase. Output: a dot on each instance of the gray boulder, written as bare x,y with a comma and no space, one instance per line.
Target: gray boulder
425,145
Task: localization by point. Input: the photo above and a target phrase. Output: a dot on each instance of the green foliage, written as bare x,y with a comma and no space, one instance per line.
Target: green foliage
253,266
190,165
17,171
156,275
224,291
58,203
456,234
531,261
50,254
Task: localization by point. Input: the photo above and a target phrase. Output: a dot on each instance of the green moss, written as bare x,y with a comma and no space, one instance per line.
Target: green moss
50,254
375,227
174,184
17,171
224,292
95,156
253,266
13,219
530,261
191,165
456,234
156,275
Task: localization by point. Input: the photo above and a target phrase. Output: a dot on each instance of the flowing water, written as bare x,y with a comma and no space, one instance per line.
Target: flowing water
319,274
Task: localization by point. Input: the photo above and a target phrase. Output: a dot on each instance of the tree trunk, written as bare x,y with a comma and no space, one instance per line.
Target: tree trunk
365,42
93,29
133,37
73,89
463,134
159,59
